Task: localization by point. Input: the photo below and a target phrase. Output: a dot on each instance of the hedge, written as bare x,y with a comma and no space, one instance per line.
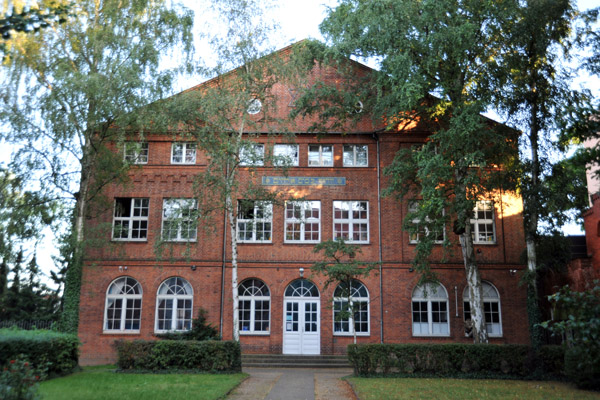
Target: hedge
59,352
208,355
515,361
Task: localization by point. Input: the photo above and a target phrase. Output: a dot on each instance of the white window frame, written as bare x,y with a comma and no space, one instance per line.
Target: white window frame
256,291
301,220
136,204
178,314
135,152
286,155
479,237
490,296
252,155
130,291
353,161
322,161
350,207
182,212
259,207
339,330
186,147
413,237
429,294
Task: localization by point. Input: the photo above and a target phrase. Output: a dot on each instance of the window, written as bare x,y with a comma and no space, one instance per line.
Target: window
179,221
351,221
254,222
422,230
131,219
285,155
491,310
123,306
303,221
356,314
174,305
183,153
255,305
320,155
252,154
430,310
136,152
356,155
482,223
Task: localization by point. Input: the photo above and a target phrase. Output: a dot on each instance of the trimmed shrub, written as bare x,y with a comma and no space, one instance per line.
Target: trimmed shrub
209,355
449,360
58,351
201,330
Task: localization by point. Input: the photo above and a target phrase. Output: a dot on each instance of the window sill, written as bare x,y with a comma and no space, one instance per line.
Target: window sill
247,333
181,241
356,166
485,243
431,336
345,334
130,240
302,242
255,242
107,332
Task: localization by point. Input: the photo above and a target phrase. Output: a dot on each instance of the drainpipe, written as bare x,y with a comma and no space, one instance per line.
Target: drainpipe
376,136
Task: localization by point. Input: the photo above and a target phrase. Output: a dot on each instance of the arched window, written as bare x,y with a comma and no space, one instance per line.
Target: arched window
174,305
123,305
301,288
430,310
254,306
354,314
491,310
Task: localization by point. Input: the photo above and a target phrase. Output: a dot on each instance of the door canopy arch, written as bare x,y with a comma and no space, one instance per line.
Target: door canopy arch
302,288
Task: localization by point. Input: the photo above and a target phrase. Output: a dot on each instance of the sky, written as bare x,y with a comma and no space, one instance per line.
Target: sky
297,20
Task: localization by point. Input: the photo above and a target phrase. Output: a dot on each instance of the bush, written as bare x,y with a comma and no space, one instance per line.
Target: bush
19,380
449,360
214,356
58,351
201,330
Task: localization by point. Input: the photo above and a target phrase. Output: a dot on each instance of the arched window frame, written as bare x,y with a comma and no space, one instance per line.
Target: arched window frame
492,310
126,315
254,307
179,293
430,310
360,295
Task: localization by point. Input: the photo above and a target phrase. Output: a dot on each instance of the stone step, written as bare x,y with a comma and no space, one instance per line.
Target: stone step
294,361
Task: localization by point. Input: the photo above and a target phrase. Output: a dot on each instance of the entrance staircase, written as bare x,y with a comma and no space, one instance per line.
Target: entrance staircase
293,361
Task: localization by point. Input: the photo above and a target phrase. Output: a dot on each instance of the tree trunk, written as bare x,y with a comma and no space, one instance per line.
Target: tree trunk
234,271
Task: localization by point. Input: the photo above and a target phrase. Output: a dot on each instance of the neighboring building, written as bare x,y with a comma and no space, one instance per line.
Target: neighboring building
129,293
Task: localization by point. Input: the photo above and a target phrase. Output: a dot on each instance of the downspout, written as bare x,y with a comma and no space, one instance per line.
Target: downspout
380,248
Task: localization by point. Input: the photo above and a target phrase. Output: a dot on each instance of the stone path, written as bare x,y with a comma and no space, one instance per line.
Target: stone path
294,384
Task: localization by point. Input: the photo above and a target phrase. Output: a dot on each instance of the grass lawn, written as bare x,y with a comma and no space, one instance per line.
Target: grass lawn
415,388
103,383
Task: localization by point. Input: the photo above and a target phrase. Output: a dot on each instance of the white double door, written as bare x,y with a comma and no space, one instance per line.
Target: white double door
301,326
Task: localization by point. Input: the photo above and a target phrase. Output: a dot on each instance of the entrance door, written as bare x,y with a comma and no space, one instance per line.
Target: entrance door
301,322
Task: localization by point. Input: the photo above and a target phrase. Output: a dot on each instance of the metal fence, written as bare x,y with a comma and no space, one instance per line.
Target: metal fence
27,325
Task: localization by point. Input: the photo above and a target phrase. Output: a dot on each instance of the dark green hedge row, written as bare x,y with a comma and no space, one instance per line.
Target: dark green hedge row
455,360
209,355
59,352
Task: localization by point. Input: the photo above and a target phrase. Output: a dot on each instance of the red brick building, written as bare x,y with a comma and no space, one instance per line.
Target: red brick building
130,293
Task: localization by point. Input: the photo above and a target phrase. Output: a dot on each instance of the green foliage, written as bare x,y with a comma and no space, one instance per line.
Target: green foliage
32,19
481,361
577,319
201,330
214,356
19,380
58,351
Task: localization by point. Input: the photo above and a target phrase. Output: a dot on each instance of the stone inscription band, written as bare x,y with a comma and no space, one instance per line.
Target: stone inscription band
303,181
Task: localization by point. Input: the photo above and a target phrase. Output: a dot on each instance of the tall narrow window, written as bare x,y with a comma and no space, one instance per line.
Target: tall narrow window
351,221
254,222
430,310
356,155
422,230
135,152
320,155
303,221
356,313
255,305
183,153
482,223
123,312
285,155
180,221
130,220
491,310
174,305
252,154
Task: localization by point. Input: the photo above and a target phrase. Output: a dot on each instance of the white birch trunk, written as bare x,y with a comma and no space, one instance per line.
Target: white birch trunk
234,271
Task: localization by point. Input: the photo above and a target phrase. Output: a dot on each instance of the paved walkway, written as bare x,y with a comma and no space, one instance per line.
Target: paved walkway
294,384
